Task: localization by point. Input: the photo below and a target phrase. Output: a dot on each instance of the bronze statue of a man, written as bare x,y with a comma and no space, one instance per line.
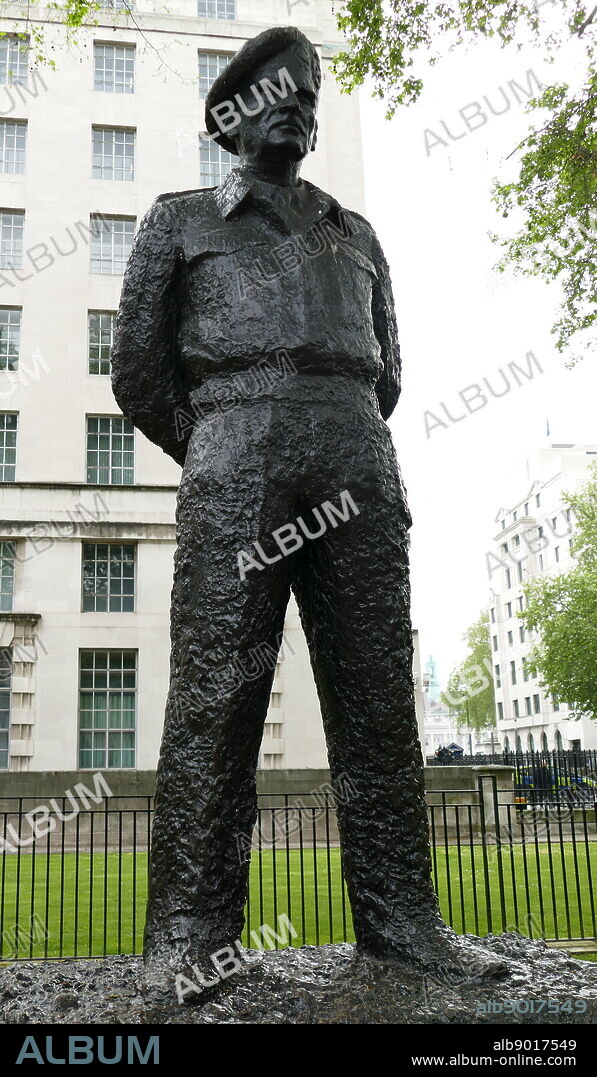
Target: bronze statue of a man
268,273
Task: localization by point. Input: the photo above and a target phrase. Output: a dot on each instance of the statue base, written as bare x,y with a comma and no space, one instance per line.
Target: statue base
308,985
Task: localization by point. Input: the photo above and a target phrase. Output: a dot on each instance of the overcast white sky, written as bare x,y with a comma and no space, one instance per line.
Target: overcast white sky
459,322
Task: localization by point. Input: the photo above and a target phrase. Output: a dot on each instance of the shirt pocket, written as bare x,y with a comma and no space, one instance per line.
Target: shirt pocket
196,248
358,257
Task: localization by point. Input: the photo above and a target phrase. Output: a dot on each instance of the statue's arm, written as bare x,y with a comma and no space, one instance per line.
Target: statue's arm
386,331
145,377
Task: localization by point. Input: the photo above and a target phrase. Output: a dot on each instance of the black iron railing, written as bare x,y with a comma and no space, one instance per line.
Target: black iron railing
74,883
548,775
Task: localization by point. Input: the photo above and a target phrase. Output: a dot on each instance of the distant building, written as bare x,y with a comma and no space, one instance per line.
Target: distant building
87,523
440,728
533,538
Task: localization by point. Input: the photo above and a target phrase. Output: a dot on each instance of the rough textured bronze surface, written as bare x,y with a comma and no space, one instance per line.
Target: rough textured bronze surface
257,345
310,985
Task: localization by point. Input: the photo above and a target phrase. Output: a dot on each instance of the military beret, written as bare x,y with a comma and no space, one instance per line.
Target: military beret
253,53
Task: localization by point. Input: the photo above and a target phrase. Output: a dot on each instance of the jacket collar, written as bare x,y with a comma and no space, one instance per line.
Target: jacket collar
236,192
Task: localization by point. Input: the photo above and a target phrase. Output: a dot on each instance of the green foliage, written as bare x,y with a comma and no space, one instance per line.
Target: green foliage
555,194
470,692
72,13
556,191
561,610
392,42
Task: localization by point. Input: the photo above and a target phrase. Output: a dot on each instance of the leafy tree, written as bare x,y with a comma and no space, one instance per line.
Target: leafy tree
470,693
72,13
555,193
561,611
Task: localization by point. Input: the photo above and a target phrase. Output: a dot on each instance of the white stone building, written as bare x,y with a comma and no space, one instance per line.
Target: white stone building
86,524
534,536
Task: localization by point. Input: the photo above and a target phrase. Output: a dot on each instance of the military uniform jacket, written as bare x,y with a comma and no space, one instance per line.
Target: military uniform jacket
221,279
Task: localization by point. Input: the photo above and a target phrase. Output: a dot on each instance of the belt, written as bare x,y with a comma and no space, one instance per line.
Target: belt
222,392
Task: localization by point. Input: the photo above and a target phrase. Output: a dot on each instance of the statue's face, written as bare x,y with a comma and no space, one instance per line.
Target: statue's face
284,130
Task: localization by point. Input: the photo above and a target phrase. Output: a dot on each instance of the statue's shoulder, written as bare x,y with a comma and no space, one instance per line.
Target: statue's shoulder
353,223
182,201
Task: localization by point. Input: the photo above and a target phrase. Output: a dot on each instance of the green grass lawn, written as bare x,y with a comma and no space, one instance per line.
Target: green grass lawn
90,906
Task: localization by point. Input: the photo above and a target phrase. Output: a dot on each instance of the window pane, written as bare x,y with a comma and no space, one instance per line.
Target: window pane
217,9
13,138
8,452
114,68
105,462
14,59
12,224
106,718
111,242
214,163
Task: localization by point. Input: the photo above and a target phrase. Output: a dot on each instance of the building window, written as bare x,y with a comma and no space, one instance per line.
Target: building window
500,707
100,325
214,163
508,579
272,762
13,139
541,561
7,575
515,516
211,64
525,670
504,547
526,508
10,337
273,729
538,500
113,153
107,708
557,553
110,450
5,688
537,704
559,743
520,571
114,68
111,242
108,578
516,708
544,742
567,515
510,638
8,445
217,9
14,59
527,703
509,609
493,614
498,680
12,224
520,601
517,540
513,672
521,633
495,643
555,703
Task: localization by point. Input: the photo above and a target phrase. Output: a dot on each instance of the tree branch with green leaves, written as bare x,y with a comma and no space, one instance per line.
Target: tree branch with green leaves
561,613
554,197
